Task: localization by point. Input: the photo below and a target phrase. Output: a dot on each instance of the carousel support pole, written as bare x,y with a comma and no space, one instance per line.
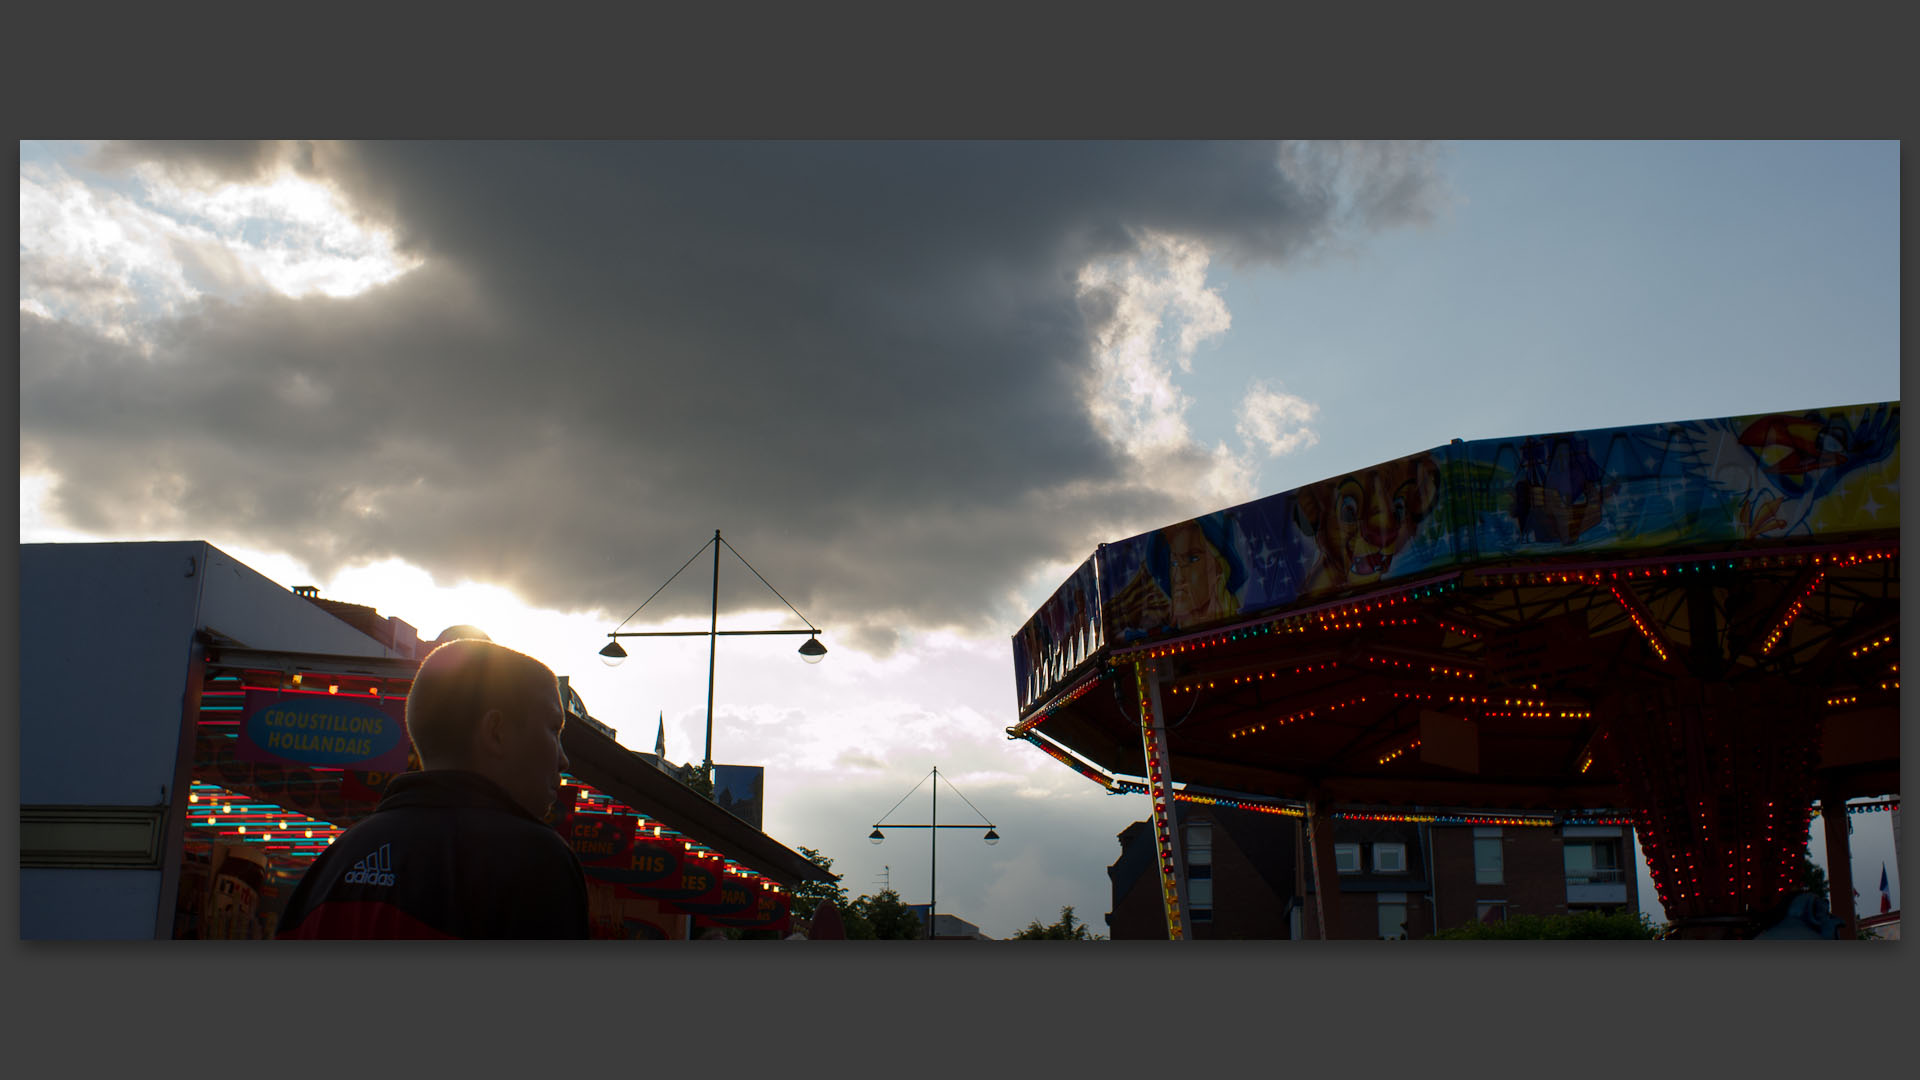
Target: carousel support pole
1300,860
1171,863
1326,875
1833,814
1895,812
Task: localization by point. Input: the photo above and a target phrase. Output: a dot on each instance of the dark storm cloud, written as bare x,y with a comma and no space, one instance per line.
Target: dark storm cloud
864,362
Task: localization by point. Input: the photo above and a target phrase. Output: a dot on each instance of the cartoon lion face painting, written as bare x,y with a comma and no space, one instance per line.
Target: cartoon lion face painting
1361,520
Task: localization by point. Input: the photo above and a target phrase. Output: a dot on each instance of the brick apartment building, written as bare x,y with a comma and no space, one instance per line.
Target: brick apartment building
1385,890
1248,877
1489,872
1242,877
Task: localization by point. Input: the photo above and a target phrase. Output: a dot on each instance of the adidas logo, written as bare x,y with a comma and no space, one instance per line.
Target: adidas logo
375,869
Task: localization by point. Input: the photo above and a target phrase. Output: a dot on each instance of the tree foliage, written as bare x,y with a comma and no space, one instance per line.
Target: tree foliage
695,777
1066,929
1612,925
1813,878
882,918
855,925
808,894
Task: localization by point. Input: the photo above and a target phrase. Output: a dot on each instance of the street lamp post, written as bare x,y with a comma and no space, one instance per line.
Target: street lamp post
811,650
933,828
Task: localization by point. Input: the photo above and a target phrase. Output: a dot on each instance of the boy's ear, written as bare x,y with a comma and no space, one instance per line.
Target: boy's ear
492,734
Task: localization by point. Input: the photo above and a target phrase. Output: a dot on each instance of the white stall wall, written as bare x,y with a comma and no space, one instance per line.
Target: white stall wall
88,905
106,645
105,636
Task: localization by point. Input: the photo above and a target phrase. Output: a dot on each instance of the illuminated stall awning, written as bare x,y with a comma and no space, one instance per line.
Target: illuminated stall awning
292,749
619,774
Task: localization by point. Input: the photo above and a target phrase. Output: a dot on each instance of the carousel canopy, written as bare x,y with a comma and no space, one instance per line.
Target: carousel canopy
1455,627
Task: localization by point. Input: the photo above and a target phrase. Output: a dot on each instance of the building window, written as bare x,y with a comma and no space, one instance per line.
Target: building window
1199,853
1491,911
1200,892
1592,862
1346,858
1488,864
1393,916
1199,845
1390,858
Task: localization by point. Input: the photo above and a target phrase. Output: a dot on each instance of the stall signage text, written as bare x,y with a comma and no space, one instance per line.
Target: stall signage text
602,839
297,728
735,895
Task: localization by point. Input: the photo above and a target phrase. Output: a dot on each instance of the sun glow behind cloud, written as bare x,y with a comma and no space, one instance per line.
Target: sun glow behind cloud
296,235
114,260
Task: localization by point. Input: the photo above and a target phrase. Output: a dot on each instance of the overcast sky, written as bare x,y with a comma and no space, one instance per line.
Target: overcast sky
518,385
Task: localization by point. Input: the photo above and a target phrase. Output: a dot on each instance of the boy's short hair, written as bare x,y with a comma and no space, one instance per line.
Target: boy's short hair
456,685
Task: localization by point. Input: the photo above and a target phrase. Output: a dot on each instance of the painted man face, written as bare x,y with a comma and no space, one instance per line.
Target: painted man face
1198,574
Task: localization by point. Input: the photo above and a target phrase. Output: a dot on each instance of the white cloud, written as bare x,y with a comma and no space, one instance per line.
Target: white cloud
106,260
1275,421
95,257
1133,396
296,235
1152,309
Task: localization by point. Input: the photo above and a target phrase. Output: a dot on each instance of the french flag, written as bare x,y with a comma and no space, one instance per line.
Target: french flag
1886,897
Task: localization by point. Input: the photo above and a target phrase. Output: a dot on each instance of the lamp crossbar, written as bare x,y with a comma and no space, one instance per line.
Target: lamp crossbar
700,633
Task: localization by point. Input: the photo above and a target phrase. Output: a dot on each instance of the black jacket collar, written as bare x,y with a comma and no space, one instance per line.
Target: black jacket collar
449,787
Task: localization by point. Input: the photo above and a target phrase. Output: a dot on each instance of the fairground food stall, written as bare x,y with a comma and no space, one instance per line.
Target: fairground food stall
291,750
193,734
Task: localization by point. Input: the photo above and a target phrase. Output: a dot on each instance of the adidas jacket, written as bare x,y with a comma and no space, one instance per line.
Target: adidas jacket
446,855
